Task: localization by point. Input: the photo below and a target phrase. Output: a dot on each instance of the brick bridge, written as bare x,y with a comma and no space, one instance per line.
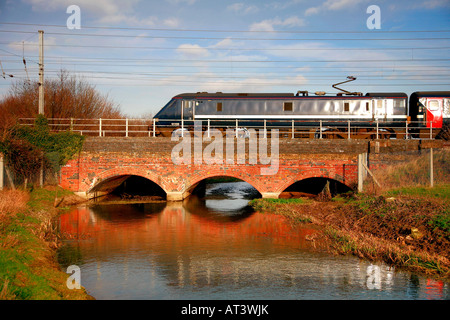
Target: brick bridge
105,162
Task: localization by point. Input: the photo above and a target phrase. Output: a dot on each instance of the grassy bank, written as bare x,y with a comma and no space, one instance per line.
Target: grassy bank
28,242
410,230
405,223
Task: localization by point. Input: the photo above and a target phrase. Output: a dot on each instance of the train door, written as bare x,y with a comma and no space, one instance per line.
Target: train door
378,109
187,109
434,112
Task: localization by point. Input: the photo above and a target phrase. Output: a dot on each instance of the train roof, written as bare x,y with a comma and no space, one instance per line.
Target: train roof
280,95
387,94
431,94
240,94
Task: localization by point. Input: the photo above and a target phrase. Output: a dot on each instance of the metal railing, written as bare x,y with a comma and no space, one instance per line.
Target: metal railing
322,129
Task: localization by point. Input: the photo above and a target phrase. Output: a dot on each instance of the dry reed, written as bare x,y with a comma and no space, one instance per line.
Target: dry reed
12,202
413,173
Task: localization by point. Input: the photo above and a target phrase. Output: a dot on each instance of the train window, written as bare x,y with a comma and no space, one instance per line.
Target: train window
287,106
367,106
433,105
219,106
346,106
380,104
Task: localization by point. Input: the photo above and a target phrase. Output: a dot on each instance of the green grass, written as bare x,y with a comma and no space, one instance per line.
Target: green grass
41,199
440,191
28,266
263,204
282,207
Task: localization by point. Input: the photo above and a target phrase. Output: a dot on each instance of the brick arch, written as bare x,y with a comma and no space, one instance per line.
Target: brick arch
290,182
125,171
238,175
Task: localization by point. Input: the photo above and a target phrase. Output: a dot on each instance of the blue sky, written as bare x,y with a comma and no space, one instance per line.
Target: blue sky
142,53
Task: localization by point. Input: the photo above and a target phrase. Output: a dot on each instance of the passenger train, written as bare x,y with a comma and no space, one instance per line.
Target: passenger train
373,115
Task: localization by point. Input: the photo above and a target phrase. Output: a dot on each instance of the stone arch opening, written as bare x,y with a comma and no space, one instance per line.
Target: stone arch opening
199,188
311,187
128,187
222,197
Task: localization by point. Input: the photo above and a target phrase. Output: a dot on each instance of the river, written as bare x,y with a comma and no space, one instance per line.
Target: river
219,248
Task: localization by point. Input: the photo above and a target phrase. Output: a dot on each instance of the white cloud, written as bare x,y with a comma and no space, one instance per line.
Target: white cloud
339,4
225,43
192,50
241,8
268,25
332,5
106,7
31,46
182,2
171,22
105,11
311,11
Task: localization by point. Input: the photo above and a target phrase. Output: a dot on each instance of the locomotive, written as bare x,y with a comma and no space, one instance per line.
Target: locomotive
370,116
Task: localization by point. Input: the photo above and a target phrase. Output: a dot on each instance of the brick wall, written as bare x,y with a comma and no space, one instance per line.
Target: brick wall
106,159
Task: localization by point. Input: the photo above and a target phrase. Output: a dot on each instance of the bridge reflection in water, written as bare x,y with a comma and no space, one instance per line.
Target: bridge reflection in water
215,249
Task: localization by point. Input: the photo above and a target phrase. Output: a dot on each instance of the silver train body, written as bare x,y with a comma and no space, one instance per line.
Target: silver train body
280,110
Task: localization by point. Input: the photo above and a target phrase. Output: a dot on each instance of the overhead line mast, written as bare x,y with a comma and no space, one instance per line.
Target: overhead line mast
41,72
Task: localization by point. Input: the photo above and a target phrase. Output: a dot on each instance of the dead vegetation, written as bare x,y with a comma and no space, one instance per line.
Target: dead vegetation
415,172
12,202
405,223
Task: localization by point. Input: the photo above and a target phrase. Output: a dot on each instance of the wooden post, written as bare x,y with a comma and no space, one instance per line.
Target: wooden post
362,160
431,130
293,129
265,128
182,127
320,129
154,128
406,131
1,172
377,129
431,168
348,129
10,178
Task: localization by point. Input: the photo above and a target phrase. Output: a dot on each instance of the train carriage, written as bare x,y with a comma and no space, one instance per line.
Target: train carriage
374,115
283,110
429,109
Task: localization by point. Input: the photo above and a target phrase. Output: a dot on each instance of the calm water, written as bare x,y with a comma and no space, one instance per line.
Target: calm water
218,248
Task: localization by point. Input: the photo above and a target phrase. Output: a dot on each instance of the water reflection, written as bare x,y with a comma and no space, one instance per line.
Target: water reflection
218,249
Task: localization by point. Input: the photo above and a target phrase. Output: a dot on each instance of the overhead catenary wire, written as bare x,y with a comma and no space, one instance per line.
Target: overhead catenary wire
233,48
229,38
223,30
394,63
75,59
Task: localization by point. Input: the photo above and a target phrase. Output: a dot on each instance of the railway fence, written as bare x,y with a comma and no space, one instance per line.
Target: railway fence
322,129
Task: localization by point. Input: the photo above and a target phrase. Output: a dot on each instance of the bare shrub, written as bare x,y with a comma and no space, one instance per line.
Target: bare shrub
67,96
